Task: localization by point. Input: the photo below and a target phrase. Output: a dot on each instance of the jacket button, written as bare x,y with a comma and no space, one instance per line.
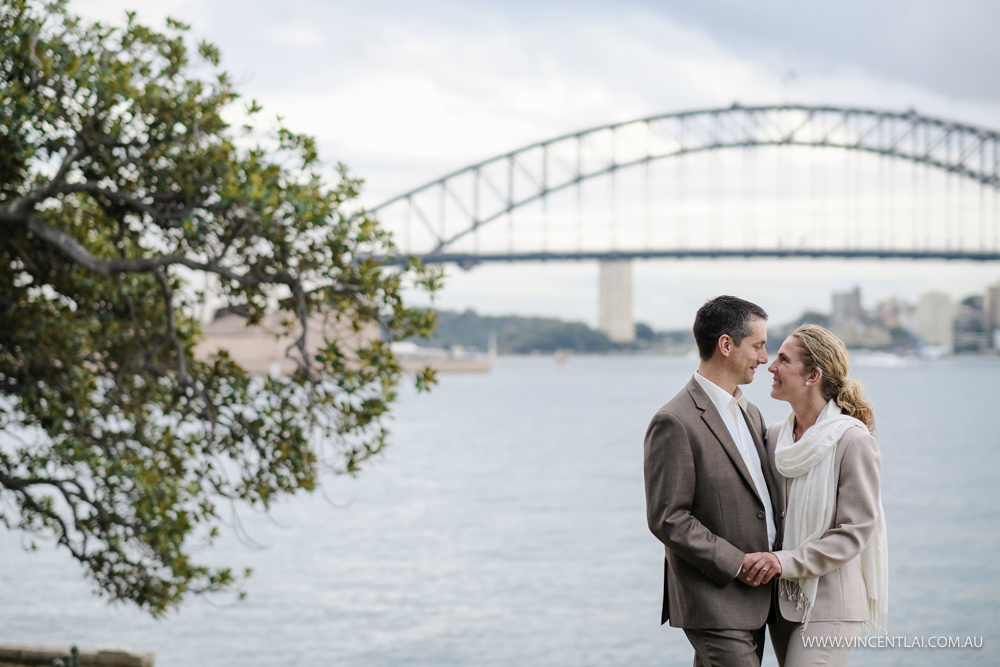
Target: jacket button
760,514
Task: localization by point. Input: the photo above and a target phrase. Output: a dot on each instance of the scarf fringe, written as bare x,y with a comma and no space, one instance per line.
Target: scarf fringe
877,622
791,589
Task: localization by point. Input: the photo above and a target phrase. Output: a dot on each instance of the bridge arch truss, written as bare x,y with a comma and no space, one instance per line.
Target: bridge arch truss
441,220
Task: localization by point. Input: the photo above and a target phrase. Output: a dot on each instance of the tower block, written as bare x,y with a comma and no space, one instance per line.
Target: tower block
614,300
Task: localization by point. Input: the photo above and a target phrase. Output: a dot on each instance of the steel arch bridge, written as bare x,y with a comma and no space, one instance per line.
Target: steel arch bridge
440,221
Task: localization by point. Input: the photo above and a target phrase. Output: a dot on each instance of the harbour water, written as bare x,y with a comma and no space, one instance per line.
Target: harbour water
505,526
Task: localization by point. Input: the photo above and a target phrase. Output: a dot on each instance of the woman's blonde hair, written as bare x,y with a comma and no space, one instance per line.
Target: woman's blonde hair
822,350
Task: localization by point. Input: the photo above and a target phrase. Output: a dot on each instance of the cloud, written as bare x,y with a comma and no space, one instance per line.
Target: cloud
454,95
948,48
297,35
150,13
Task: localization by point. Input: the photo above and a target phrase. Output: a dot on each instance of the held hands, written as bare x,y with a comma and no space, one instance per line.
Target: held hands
759,568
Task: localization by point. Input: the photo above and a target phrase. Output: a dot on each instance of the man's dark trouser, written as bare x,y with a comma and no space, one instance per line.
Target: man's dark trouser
727,648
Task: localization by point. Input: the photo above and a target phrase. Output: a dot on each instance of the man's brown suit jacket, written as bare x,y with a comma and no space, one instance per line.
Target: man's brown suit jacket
702,504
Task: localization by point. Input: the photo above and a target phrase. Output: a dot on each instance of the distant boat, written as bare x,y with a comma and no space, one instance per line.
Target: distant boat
881,359
413,358
932,351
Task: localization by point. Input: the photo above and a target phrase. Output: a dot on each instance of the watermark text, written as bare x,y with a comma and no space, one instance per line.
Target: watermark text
936,641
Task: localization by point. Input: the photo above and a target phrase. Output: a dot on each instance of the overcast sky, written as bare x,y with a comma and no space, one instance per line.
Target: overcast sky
403,92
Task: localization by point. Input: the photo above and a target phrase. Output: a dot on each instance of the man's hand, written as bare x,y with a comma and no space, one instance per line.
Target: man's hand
759,568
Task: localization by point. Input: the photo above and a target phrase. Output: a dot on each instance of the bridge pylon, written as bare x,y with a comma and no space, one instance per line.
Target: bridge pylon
614,300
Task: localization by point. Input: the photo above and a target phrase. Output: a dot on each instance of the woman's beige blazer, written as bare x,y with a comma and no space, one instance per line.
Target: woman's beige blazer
841,595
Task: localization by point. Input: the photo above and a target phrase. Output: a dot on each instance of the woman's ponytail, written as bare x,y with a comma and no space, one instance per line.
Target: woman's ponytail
823,350
853,403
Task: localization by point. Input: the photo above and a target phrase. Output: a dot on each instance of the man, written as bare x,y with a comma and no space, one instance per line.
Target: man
711,490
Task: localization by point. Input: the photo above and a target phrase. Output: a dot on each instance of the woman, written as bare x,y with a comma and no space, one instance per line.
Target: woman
833,568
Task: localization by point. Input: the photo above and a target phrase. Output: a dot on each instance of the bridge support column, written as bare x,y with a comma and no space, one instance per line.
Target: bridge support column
614,300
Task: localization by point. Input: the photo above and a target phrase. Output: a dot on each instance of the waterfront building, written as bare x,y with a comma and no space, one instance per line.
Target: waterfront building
934,320
614,300
992,314
847,307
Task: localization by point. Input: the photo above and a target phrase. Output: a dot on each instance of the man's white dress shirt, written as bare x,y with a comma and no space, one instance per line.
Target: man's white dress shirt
731,406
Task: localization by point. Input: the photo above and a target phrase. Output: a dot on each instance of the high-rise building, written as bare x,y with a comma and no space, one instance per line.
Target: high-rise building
614,300
971,334
933,321
846,307
992,314
848,322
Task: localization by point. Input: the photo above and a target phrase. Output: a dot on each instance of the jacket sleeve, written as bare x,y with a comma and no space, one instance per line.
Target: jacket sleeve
669,471
854,518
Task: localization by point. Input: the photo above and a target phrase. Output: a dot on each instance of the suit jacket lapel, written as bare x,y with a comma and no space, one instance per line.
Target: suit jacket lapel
710,415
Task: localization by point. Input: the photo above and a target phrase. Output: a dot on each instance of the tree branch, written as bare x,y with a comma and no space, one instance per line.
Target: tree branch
120,197
20,487
28,202
78,253
171,333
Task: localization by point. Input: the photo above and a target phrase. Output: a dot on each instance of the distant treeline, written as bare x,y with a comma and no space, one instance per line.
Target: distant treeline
525,335
516,334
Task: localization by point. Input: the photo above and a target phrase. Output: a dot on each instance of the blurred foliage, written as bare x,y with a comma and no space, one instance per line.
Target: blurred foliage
120,181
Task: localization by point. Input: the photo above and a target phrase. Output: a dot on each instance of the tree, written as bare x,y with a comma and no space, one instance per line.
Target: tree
119,180
644,332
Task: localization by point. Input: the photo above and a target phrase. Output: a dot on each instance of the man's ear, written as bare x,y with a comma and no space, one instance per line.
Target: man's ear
725,345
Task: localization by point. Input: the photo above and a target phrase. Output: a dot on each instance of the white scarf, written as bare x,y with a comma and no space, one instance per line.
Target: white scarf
811,500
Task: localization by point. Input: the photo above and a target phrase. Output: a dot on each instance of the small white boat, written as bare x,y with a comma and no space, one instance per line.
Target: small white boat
881,359
413,358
